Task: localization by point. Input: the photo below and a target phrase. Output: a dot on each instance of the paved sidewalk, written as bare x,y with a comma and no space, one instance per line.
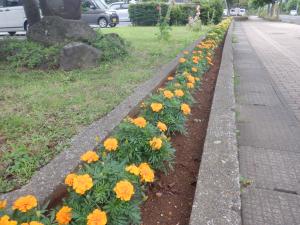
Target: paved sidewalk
267,67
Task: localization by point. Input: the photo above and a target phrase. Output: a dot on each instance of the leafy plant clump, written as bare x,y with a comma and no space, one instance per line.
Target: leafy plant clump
109,187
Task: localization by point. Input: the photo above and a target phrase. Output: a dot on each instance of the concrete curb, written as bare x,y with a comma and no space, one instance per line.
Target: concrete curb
47,184
217,198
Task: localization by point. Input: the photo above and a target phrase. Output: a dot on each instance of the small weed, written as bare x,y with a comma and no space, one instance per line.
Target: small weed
244,182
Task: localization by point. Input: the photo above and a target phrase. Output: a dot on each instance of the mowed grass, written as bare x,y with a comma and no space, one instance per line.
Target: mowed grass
41,111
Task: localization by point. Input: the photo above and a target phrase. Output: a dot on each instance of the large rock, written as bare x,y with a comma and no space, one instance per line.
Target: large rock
54,29
78,55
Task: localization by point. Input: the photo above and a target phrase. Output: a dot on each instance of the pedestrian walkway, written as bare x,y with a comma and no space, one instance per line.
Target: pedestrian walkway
267,74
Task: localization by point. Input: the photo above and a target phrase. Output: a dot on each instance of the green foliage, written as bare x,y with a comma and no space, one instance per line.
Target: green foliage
29,54
292,5
163,24
147,14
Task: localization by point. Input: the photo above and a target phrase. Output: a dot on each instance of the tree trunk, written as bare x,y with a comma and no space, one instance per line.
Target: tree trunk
72,9
32,12
46,10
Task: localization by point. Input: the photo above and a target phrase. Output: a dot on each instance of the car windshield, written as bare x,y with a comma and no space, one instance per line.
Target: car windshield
100,4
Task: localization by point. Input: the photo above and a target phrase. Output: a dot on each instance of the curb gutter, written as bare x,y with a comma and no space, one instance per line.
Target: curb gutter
217,198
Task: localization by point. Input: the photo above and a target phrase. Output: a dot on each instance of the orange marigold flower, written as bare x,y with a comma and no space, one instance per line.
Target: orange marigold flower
170,78
64,215
156,107
70,179
190,85
124,190
32,223
97,217
146,173
168,94
89,157
195,61
185,108
82,183
5,220
156,143
3,204
139,122
194,69
179,93
133,169
111,144
25,203
186,52
191,79
182,60
162,127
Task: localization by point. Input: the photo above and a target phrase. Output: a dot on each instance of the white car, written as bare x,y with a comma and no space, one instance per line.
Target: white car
12,16
242,12
293,13
121,9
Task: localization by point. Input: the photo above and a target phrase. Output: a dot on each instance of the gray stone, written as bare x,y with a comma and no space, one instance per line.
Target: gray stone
217,198
53,30
78,55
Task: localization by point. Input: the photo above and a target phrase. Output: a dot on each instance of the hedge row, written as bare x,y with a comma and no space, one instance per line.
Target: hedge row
109,187
146,14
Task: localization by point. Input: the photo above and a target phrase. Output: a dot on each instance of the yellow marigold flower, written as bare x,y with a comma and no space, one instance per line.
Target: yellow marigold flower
3,204
82,183
89,157
179,93
156,107
190,85
156,143
185,108
194,69
5,220
70,179
25,203
133,169
111,144
186,52
32,223
146,173
168,94
182,60
191,79
97,217
139,122
64,215
124,190
170,78
162,127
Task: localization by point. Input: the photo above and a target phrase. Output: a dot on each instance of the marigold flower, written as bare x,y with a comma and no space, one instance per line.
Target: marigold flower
197,78
124,190
168,94
25,203
3,204
185,108
190,85
156,107
170,78
32,223
97,217
146,173
5,220
162,127
139,122
182,60
179,93
155,143
191,79
133,169
111,144
64,215
89,157
186,52
194,69
70,179
82,183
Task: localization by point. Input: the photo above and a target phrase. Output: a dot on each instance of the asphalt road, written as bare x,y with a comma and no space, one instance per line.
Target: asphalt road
290,19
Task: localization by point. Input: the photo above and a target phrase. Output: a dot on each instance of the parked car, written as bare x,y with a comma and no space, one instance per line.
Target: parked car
293,13
225,12
97,12
242,12
12,16
233,12
121,9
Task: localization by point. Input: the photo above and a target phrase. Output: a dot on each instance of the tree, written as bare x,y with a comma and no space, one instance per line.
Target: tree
32,12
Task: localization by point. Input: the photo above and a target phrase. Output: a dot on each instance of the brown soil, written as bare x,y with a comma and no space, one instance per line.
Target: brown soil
170,199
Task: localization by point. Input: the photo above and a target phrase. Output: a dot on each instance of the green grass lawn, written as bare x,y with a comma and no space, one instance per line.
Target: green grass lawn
40,111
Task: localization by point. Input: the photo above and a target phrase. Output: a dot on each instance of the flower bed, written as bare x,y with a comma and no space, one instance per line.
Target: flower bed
109,187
